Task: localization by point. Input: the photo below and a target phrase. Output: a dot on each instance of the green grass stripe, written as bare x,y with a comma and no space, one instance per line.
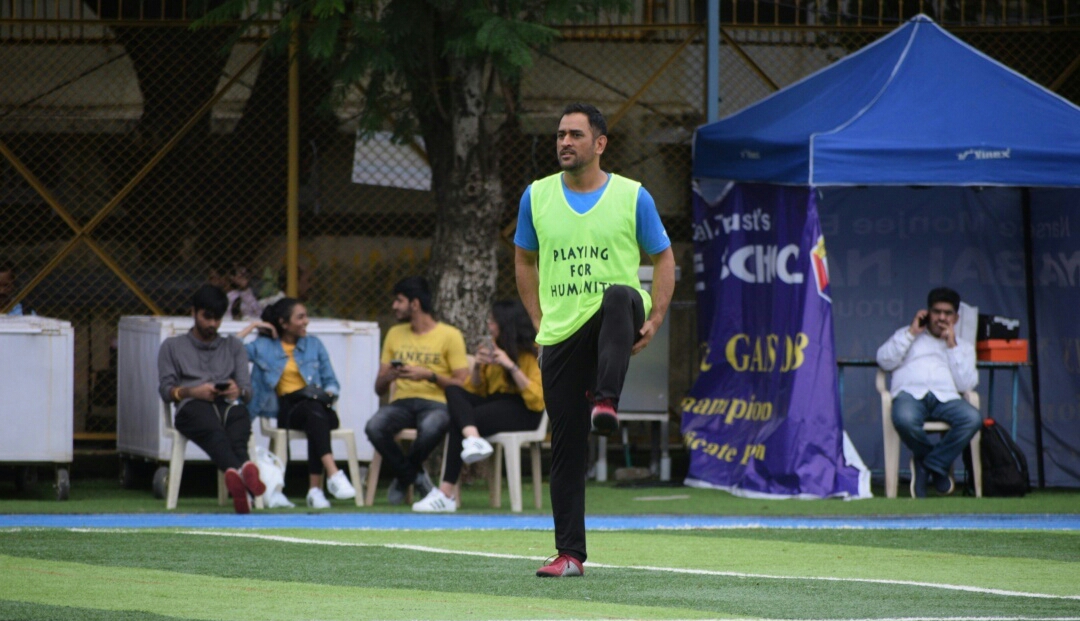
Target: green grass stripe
475,580
1049,545
763,556
59,583
28,611
199,495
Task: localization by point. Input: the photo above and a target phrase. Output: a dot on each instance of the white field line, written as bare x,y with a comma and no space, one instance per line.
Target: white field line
674,570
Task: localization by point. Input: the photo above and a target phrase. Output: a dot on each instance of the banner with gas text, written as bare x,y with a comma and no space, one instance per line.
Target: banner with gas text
763,418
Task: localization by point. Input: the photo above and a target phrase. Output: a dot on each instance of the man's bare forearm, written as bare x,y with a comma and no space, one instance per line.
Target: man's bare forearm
528,283
663,285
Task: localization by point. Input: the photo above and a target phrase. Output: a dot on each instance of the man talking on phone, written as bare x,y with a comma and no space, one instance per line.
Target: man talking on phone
206,375
930,367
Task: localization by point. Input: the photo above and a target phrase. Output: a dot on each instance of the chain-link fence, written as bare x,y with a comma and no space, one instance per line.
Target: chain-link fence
142,158
138,158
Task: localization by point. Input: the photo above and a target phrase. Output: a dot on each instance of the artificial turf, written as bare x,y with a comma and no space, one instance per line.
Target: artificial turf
198,495
796,574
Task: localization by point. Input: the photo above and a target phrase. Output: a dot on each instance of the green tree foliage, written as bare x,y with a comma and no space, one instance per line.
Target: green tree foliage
437,69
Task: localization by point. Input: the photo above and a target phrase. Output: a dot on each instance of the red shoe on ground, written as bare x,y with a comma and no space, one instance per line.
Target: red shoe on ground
235,484
604,419
564,566
249,472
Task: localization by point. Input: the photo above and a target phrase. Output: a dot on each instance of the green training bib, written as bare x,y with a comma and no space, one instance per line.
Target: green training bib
581,255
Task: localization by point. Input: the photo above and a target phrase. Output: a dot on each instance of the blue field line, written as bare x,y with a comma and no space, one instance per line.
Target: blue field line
464,521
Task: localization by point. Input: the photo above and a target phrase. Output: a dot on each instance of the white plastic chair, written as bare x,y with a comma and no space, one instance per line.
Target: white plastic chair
510,443
176,464
891,440
279,445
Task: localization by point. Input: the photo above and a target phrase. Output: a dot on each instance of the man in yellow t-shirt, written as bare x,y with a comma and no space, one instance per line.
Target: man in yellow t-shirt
422,357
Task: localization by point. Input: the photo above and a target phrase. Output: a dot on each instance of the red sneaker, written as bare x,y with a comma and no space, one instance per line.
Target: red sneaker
249,472
235,484
564,566
604,419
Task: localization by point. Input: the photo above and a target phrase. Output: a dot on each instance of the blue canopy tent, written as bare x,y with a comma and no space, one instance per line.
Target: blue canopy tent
917,108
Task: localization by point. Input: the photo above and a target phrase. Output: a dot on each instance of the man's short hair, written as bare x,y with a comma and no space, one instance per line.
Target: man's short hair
415,288
596,119
6,265
210,299
943,294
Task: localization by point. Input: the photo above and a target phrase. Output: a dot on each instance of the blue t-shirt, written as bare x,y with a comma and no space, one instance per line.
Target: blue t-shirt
651,235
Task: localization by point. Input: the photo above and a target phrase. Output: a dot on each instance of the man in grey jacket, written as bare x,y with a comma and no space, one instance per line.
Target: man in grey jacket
206,375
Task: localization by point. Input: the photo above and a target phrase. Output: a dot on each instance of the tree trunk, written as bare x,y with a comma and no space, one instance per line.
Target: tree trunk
469,203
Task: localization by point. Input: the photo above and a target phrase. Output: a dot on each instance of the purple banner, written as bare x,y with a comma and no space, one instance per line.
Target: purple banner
763,418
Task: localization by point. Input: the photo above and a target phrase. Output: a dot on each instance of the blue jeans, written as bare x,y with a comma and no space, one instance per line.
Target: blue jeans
429,418
909,414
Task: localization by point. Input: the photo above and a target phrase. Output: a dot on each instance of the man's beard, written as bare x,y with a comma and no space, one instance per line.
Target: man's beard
572,165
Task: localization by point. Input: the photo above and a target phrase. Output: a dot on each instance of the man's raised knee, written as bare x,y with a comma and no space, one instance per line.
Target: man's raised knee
617,295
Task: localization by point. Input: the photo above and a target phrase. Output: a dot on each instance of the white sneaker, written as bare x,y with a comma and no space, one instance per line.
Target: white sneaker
277,500
340,486
316,499
475,449
435,502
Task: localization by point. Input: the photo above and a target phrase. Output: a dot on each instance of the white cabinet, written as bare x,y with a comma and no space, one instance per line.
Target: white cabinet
37,396
37,384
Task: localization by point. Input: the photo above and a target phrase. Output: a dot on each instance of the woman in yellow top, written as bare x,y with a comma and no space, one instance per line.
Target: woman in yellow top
292,380
503,393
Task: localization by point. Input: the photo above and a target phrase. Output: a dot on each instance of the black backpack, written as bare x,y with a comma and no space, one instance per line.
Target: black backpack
1004,467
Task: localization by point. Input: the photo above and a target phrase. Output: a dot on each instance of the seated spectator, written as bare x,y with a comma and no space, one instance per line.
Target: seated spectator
503,393
218,276
930,368
294,381
242,301
423,357
206,376
8,288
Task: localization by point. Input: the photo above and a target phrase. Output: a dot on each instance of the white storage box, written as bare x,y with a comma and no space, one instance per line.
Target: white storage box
353,347
37,389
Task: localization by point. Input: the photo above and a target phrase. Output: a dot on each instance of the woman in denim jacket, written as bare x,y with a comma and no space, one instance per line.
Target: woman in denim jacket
292,380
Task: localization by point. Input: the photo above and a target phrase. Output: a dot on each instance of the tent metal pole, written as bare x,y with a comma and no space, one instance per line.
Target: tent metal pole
712,81
1033,335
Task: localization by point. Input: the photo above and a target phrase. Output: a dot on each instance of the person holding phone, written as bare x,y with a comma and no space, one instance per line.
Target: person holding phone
930,367
421,357
294,381
503,393
206,376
